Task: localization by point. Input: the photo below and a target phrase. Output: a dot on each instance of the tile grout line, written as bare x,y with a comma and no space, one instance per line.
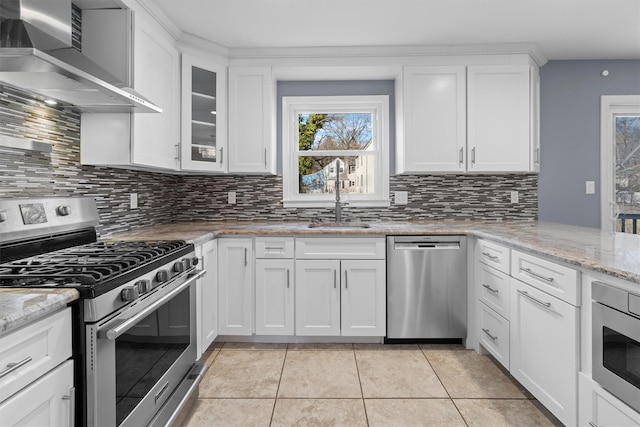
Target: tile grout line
275,400
443,386
364,405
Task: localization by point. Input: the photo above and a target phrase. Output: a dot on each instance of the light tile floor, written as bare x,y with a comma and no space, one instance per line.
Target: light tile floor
359,385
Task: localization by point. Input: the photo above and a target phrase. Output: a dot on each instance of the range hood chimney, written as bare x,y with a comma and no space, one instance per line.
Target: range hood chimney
37,55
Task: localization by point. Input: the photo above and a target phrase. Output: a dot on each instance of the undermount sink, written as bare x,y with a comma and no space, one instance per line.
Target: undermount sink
355,224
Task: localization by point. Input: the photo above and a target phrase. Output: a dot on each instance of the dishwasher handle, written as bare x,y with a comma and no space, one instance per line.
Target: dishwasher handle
421,246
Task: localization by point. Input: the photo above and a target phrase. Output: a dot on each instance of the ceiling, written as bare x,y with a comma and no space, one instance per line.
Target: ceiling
562,29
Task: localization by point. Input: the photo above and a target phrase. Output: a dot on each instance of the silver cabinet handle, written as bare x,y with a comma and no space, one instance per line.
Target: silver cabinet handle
221,154
15,366
491,257
537,156
461,156
288,281
488,332
534,274
177,152
592,424
245,257
265,157
526,294
71,397
335,279
490,289
345,280
473,155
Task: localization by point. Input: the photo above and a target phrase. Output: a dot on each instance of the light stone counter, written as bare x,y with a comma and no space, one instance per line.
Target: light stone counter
615,254
19,306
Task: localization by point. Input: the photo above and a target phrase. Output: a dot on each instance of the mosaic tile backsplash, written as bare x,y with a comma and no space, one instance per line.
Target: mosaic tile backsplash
165,198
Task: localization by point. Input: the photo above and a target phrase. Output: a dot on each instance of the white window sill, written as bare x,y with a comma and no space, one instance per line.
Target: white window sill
331,204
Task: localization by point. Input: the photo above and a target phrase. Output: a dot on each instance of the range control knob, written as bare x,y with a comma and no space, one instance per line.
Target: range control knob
144,286
178,267
195,261
188,263
63,210
162,276
130,293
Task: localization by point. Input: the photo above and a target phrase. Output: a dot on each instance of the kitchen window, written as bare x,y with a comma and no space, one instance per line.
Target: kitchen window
320,132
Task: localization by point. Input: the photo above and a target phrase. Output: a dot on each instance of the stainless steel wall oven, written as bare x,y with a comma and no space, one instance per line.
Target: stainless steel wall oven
134,338
616,342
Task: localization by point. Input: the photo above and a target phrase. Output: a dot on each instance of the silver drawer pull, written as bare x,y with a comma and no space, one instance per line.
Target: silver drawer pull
526,294
491,257
490,289
14,366
534,274
486,331
274,248
592,424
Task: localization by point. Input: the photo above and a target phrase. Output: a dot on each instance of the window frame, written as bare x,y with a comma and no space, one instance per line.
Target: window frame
293,106
611,106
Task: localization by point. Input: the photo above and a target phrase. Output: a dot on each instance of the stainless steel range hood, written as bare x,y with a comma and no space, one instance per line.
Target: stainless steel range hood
36,55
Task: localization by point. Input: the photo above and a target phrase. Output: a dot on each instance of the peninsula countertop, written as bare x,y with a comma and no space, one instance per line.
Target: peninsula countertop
614,254
20,306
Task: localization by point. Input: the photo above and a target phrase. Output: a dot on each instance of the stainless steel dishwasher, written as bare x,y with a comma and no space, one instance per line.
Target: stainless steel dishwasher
426,287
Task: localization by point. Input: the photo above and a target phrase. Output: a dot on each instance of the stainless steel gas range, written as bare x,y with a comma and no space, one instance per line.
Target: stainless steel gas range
134,326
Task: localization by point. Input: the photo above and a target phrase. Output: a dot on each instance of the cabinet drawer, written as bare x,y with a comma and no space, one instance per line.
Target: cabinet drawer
340,248
274,247
493,289
552,278
494,334
38,347
493,254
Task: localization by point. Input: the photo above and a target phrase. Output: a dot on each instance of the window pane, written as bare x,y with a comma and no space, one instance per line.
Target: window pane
318,174
628,173
334,131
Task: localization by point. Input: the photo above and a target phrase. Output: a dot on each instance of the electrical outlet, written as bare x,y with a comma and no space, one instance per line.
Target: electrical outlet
231,197
401,197
514,197
133,200
590,187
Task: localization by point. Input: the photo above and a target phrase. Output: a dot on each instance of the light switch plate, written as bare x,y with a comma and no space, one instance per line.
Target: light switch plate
401,197
231,198
514,197
590,187
133,200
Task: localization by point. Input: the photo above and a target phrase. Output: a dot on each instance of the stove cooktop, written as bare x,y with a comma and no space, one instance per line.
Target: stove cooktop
93,268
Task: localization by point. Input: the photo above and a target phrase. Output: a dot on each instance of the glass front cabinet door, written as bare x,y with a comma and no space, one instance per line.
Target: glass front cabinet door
204,132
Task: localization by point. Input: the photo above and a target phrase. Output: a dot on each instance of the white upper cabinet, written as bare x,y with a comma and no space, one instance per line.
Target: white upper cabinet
498,118
434,121
251,109
149,140
204,118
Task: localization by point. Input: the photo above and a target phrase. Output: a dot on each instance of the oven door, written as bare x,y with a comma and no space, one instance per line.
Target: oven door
616,353
137,358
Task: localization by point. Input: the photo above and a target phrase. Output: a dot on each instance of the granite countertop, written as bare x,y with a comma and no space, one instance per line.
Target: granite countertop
615,254
19,306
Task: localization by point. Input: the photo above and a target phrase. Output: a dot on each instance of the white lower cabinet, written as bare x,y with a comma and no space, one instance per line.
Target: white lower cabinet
494,335
235,286
274,296
544,348
49,401
340,297
207,296
599,408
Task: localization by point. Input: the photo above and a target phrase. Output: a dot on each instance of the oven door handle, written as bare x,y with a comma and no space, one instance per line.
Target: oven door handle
111,333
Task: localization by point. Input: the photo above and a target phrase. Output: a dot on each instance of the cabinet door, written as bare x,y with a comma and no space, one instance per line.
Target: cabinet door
204,118
317,297
544,349
274,297
498,118
48,401
363,300
251,105
435,115
207,296
156,137
235,286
